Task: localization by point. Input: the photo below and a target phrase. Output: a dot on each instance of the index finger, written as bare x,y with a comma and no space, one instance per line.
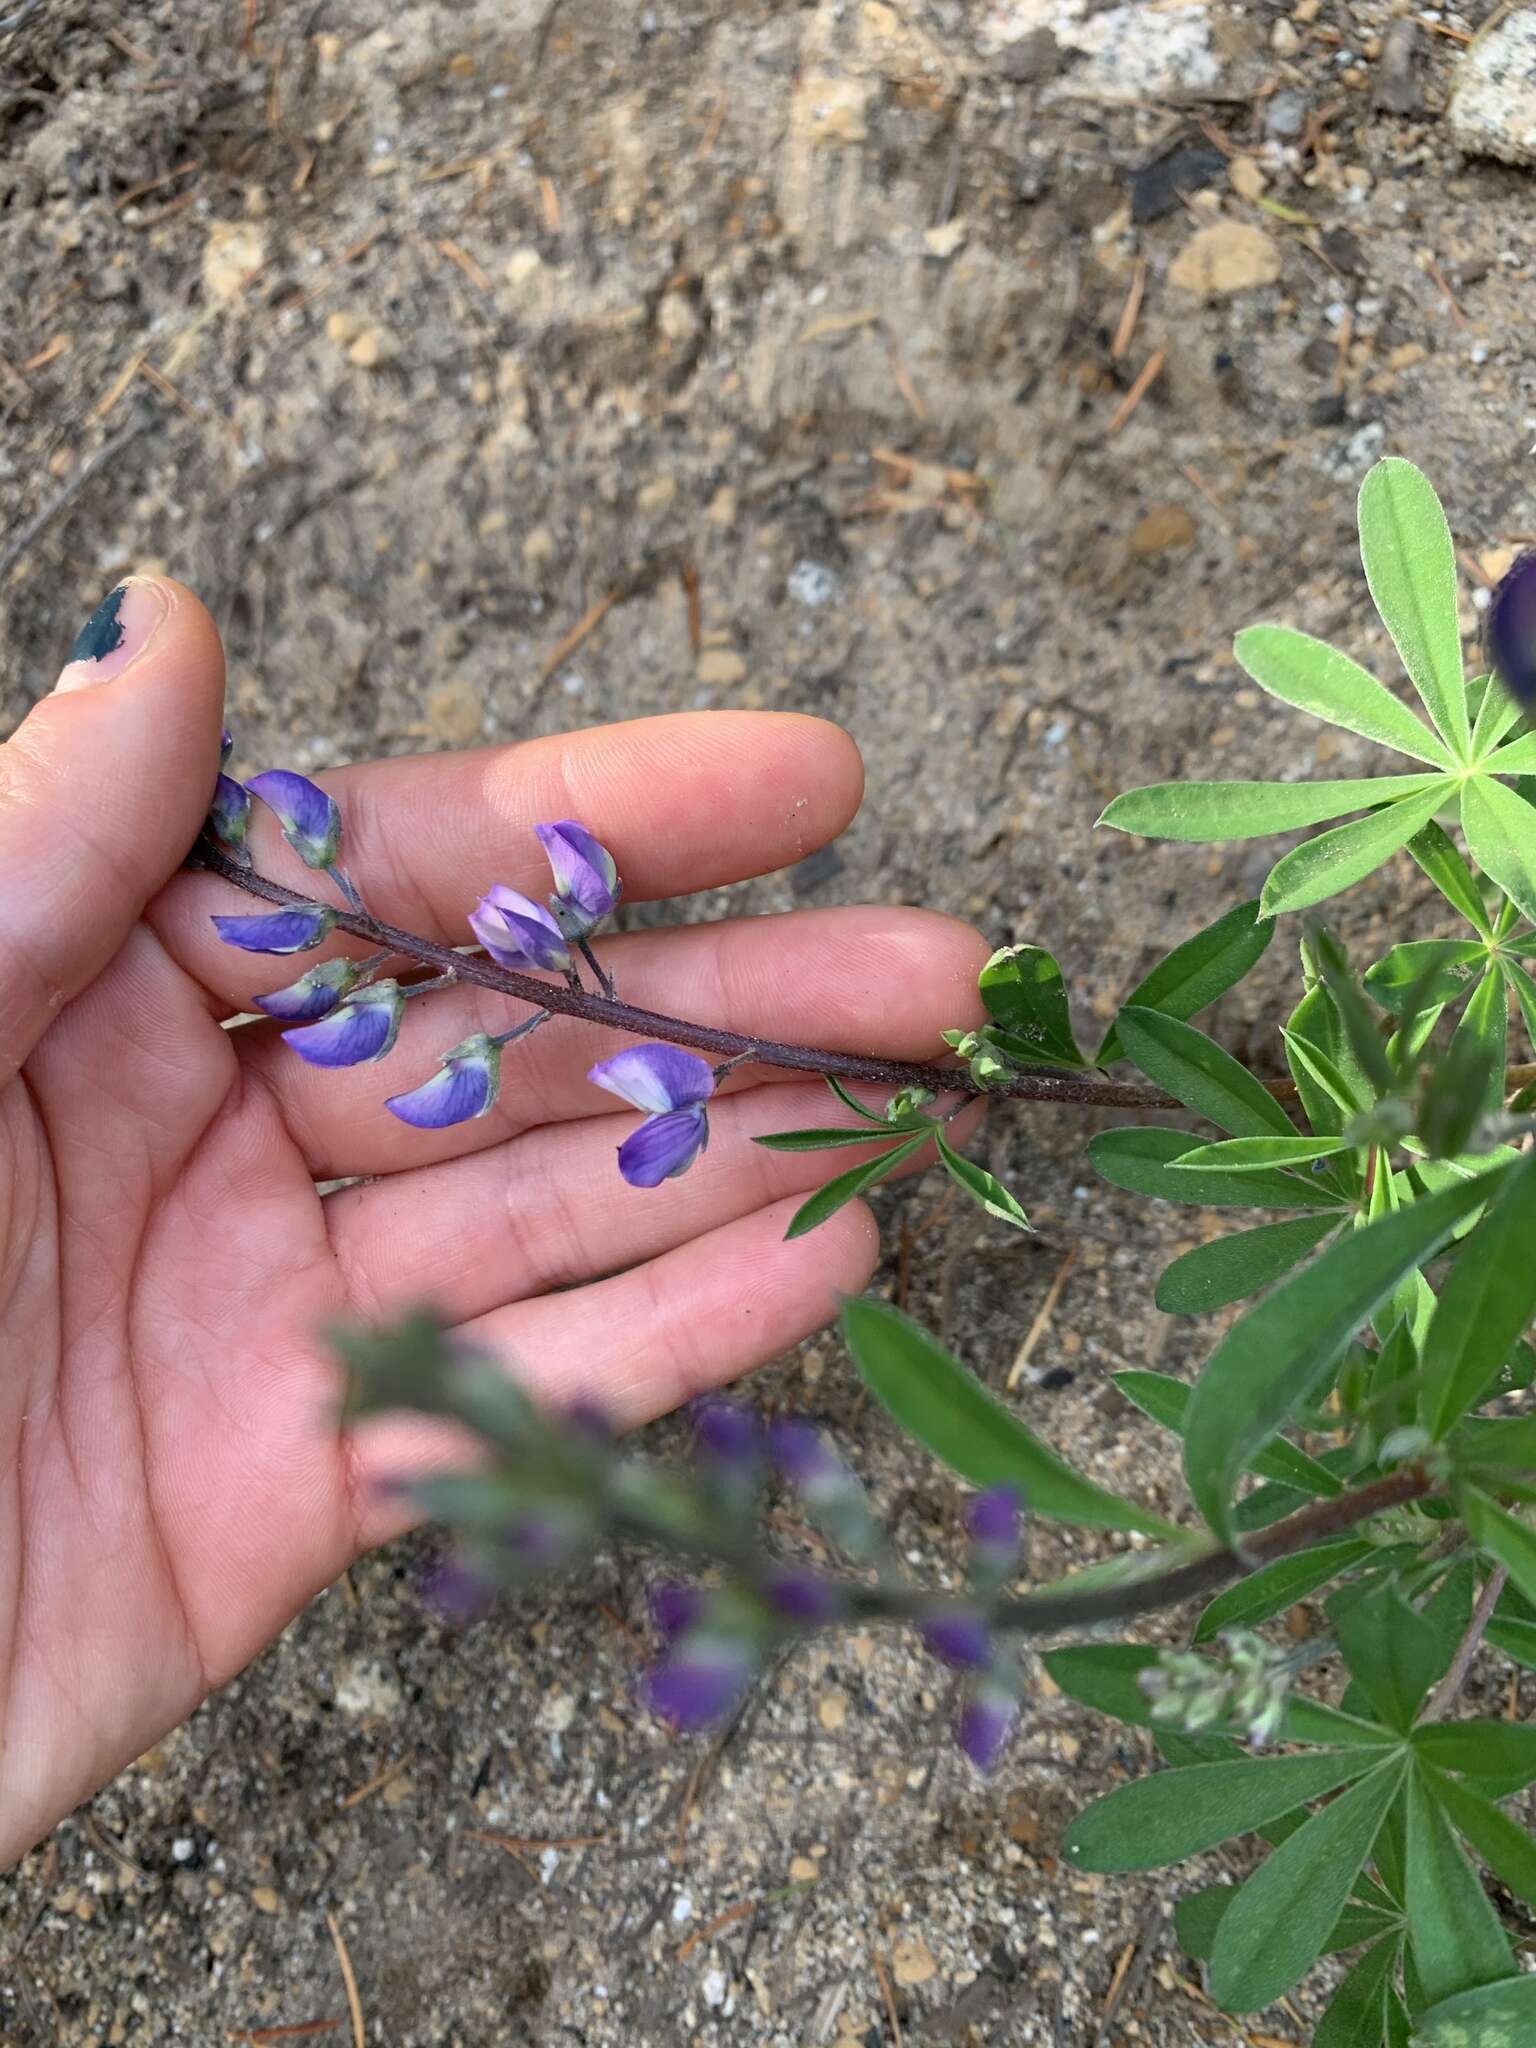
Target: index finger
685,802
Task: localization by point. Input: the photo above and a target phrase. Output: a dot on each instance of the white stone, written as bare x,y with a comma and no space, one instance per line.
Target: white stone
1492,107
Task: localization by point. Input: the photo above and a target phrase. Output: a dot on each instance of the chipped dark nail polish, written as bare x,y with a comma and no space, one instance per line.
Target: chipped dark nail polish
102,633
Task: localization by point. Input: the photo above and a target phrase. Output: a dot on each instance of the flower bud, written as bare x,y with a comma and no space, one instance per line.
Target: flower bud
727,1433
226,746
907,1103
958,1637
830,1491
315,994
674,1608
701,1678
519,933
293,930
363,1028
587,886
988,1713
311,820
466,1087
229,815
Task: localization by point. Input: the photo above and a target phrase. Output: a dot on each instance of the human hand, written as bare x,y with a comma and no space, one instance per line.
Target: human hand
173,1479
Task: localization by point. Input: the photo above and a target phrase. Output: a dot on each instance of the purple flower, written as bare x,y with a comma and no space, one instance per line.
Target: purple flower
229,814
959,1638
993,1519
315,994
363,1028
673,1086
519,932
293,930
805,1457
466,1087
700,1679
226,746
727,1431
802,1596
310,819
986,1718
587,885
1512,629
674,1608
456,1592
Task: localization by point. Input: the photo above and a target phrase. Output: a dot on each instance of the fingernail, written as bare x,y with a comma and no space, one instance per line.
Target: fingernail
115,635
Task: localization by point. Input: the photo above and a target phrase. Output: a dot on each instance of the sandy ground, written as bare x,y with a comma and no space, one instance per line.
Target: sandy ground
411,335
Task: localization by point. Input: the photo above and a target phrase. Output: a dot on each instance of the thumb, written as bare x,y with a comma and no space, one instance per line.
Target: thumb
102,790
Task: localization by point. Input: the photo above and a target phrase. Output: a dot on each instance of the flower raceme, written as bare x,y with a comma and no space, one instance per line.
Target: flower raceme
672,1086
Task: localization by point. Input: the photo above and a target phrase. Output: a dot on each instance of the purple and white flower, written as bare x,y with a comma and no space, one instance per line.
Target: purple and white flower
466,1087
363,1028
229,815
673,1086
293,930
310,819
986,1718
700,1679
518,932
587,885
315,994
958,1637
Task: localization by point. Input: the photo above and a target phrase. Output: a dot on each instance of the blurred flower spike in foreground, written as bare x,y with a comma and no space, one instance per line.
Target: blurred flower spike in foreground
554,1487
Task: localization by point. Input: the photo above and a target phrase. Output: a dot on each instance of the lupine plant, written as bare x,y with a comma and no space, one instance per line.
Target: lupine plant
1359,1438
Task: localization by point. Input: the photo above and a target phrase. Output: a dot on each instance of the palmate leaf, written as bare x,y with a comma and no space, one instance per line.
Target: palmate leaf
1196,1071
1281,1920
1357,2012
838,1193
1518,758
1433,970
1275,1587
1166,1400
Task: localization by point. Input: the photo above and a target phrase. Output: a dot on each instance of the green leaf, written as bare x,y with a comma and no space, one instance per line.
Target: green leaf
1501,835
1503,1845
1167,1400
1518,758
1140,1158
1440,859
1488,1749
828,1200
1357,2012
1106,1677
1346,854
1275,1587
1410,565
1497,714
1499,2015
934,1398
1437,970
852,1102
1357,1020
1391,1651
1515,1637
1023,990
1197,1072
824,1141
984,1188
1457,1940
1278,1926
1315,677
1253,1155
1250,810
1233,1267
1332,1084
1525,991
1197,1916
1283,1348
1448,1611
1196,973
1484,1305
1174,1814
1502,1536
1484,1026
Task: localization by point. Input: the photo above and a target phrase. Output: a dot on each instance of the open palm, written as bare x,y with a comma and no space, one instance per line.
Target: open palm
172,1479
